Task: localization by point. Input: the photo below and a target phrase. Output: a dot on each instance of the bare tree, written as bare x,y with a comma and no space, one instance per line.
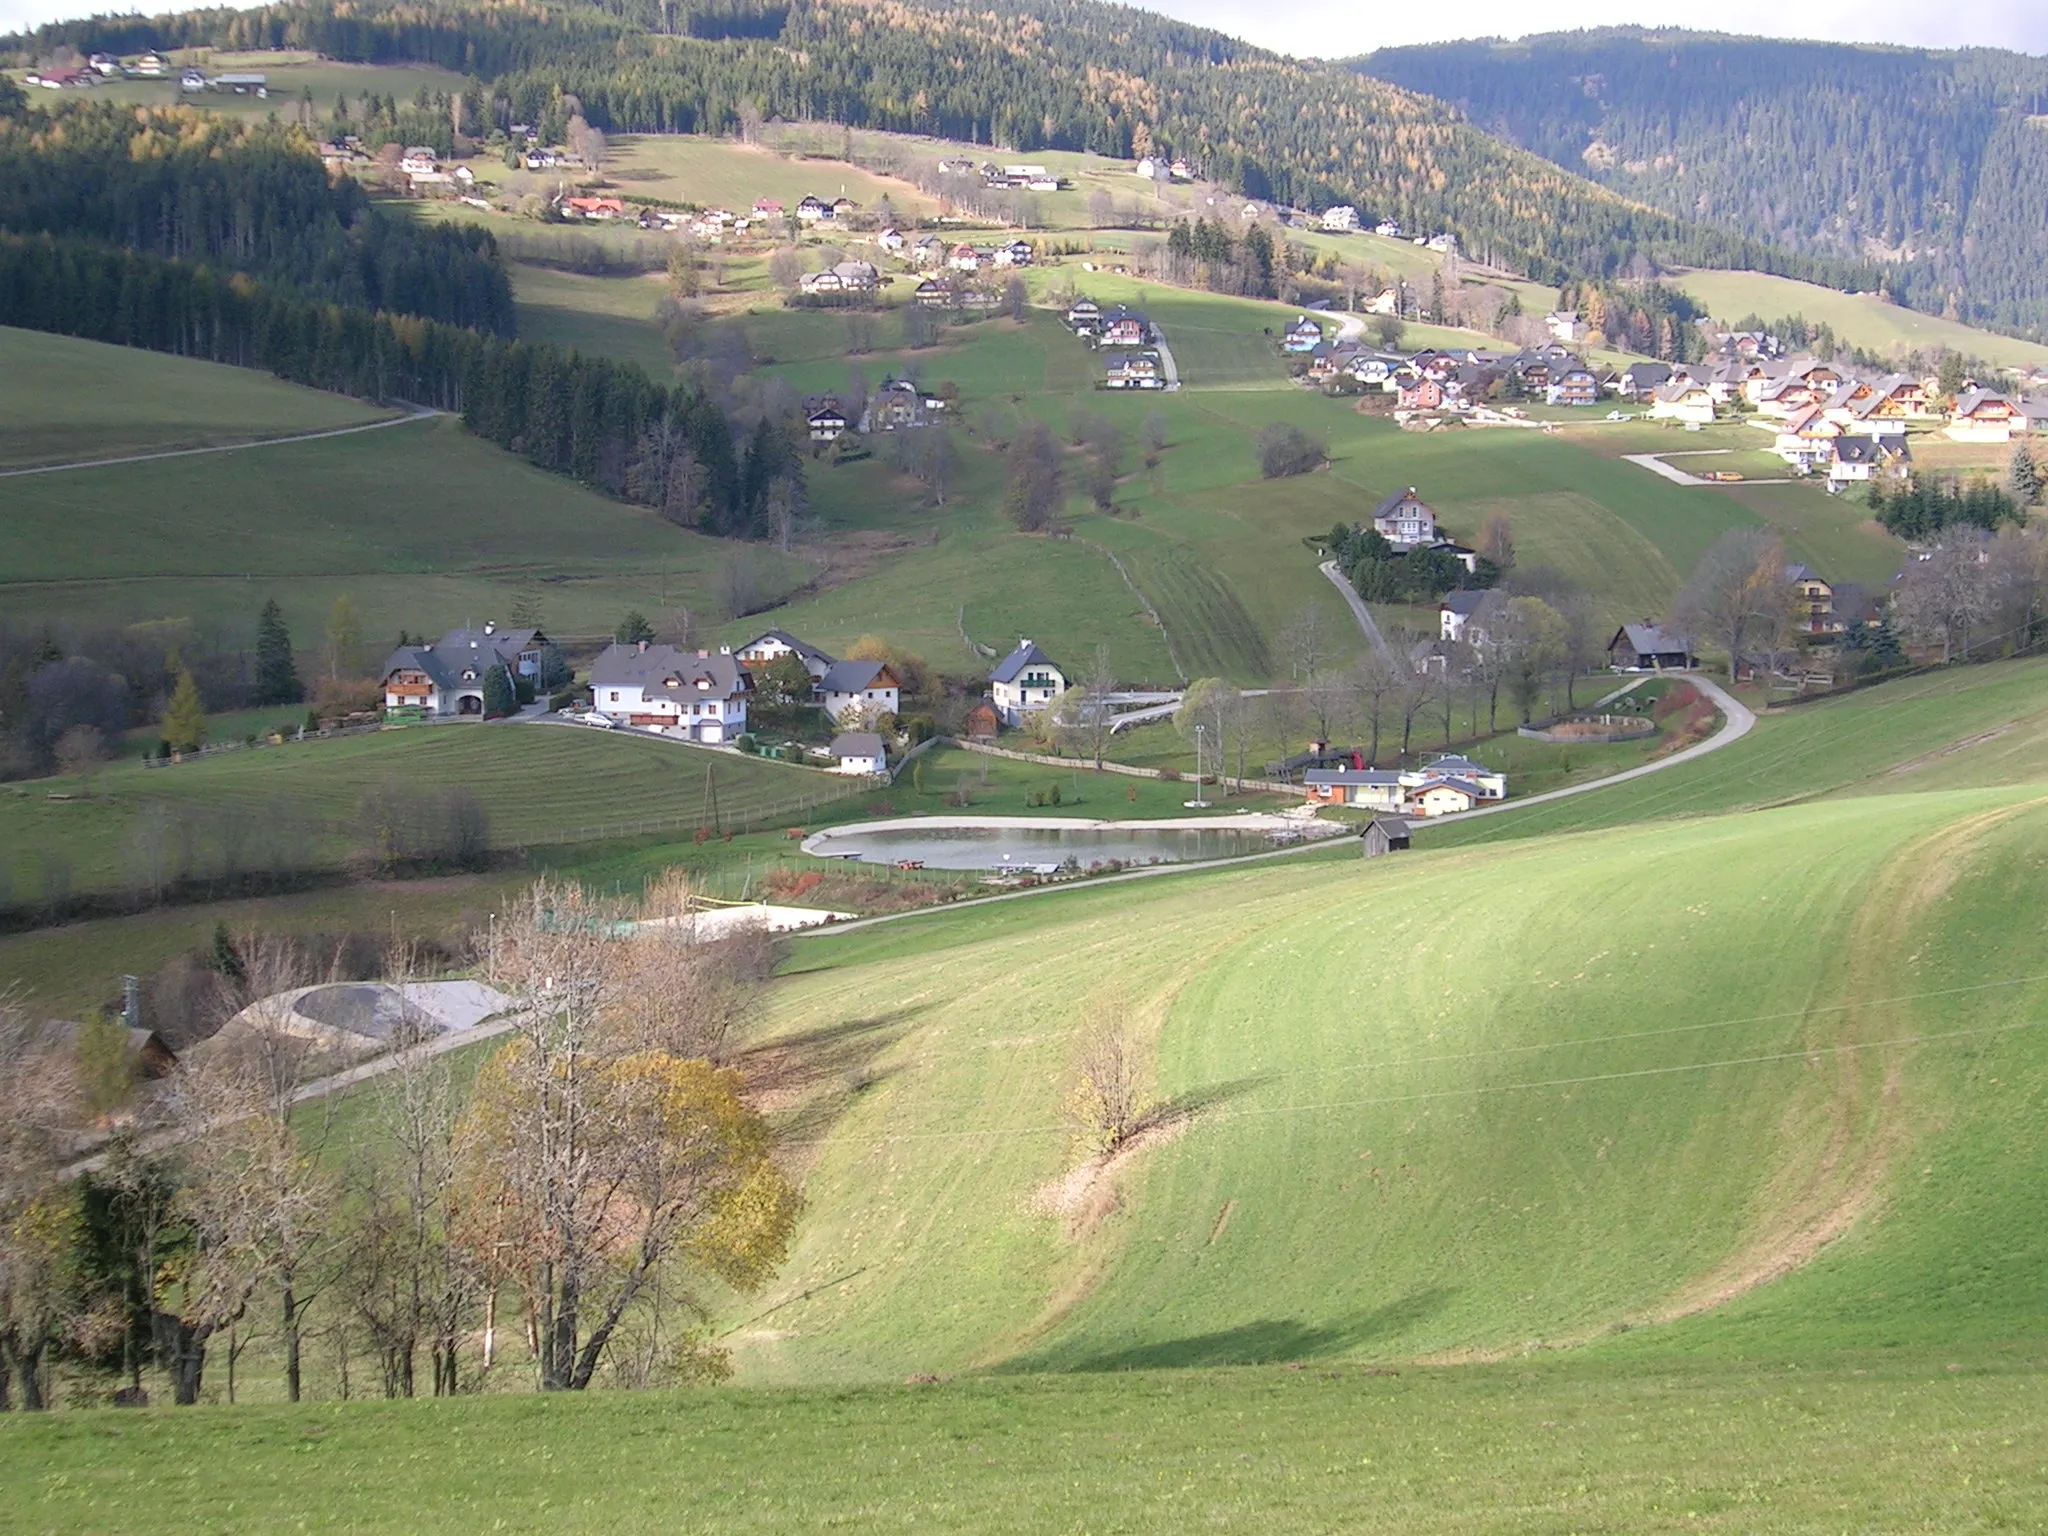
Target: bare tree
1309,645
1736,588
45,1111
1942,597
80,752
1106,1103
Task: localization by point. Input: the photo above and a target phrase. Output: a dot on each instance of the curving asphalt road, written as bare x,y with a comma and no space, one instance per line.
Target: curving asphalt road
1358,609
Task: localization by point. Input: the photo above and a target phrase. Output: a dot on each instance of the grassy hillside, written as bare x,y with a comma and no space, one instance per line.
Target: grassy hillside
421,526
291,72
539,785
63,400
1860,319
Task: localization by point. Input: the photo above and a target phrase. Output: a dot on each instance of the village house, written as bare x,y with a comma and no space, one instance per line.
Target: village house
1342,219
1125,328
1133,370
927,251
1422,393
860,753
1443,797
1084,316
1565,325
697,696
853,688
811,210
1984,416
1024,682
1646,648
1388,229
1404,520
1386,302
842,277
1808,439
1454,616
1682,400
1574,384
765,649
825,418
965,258
1018,253
418,160
895,405
1304,335
1640,381
891,240
1858,459
1814,601
447,677
596,209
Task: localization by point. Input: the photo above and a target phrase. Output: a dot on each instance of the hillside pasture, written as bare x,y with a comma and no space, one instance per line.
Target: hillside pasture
724,173
598,316
1860,319
291,73
63,400
538,784
419,525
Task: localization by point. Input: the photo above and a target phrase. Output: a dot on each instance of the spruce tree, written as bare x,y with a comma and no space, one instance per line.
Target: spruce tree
500,698
2023,475
185,715
277,675
633,629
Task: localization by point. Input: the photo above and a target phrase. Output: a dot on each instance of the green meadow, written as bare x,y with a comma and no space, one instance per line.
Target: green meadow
1860,319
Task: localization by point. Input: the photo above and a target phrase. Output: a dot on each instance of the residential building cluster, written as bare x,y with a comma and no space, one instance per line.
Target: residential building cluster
1128,341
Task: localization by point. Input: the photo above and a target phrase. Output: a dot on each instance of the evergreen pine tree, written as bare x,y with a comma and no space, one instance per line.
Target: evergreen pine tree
500,698
185,715
277,675
2023,475
633,628
225,960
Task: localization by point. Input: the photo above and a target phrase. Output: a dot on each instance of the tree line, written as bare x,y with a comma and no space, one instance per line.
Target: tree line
604,422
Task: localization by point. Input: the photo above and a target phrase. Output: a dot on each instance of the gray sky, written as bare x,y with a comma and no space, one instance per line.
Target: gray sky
1332,28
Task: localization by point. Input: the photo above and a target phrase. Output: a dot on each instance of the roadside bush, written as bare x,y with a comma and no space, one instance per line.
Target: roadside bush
522,689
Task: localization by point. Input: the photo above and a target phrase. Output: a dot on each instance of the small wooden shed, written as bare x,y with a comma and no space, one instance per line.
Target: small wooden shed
1383,834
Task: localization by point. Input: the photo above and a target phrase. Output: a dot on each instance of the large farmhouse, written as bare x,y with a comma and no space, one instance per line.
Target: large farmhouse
697,696
447,677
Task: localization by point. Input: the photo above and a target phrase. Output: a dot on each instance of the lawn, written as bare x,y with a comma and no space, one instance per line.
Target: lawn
64,400
723,173
1861,320
1921,1443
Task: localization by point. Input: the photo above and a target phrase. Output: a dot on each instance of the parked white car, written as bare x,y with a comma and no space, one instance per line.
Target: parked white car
592,717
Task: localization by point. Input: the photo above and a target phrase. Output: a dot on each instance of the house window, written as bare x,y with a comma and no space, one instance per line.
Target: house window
615,695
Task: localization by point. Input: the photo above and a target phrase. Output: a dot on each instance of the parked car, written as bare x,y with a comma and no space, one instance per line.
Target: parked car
592,717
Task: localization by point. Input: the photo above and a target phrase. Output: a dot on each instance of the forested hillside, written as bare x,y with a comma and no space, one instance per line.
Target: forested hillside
251,197
1028,74
1930,162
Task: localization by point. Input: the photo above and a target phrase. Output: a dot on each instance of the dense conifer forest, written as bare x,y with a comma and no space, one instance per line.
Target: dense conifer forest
1929,162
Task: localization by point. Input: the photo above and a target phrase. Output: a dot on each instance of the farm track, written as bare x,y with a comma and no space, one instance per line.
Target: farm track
418,413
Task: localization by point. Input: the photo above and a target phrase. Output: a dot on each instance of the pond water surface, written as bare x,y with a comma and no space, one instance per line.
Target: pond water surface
1038,848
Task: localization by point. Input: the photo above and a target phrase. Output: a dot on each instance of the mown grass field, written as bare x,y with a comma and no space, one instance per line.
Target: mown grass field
1915,1444
539,784
1861,320
421,526
604,316
63,400
291,74
723,173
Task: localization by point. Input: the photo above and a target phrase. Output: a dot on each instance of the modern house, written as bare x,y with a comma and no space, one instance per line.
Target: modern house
1574,384
1139,369
1565,325
1084,316
765,649
1024,682
825,419
1404,520
1860,459
1341,220
860,753
1125,328
1646,648
1304,335
696,696
447,677
849,687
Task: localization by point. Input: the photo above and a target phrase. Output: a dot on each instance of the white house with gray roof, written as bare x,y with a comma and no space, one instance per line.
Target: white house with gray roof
1024,682
697,696
447,677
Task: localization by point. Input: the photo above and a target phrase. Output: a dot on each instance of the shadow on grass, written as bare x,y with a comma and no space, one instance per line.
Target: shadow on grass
809,1080
1272,1341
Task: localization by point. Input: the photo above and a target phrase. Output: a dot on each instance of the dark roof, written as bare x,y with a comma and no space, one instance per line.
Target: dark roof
856,744
1855,450
630,666
1396,499
803,648
1012,665
1649,640
1352,777
1463,786
420,658
1445,767
1464,604
850,676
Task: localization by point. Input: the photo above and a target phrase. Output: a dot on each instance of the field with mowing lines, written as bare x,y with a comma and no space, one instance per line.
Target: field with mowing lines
63,400
602,316
1861,320
420,525
540,784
